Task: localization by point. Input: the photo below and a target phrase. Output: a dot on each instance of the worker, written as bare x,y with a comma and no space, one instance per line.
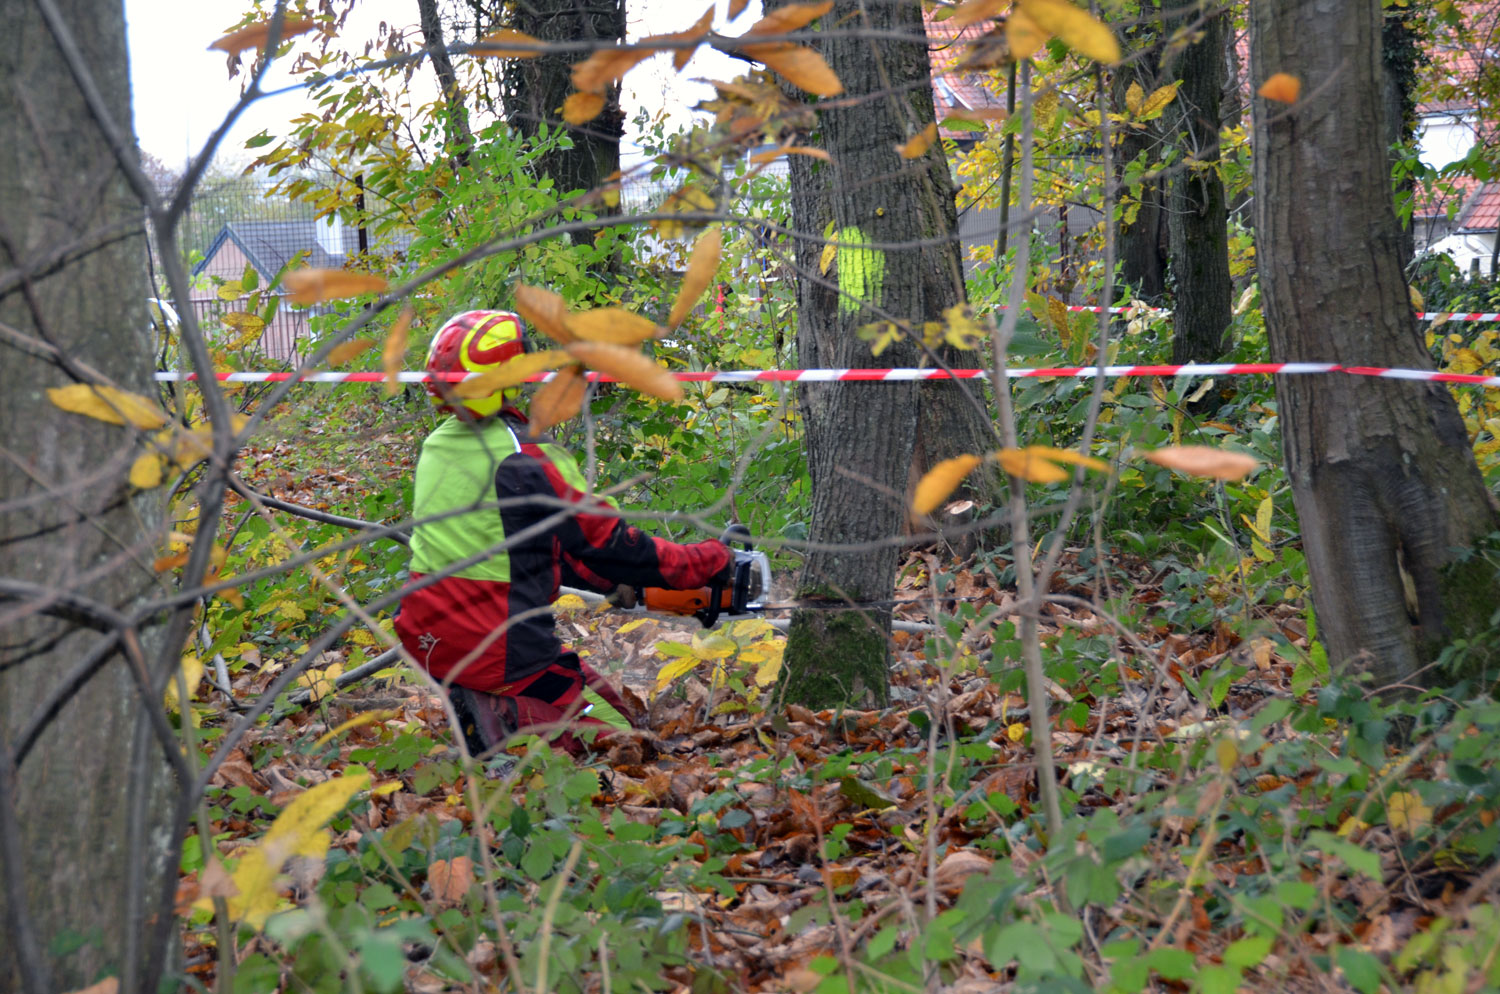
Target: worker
502,518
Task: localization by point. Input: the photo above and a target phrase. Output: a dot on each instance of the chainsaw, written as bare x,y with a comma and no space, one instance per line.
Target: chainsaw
744,593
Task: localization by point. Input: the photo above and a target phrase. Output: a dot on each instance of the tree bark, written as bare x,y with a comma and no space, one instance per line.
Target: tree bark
1142,242
862,443
1382,471
460,140
536,88
75,892
1198,215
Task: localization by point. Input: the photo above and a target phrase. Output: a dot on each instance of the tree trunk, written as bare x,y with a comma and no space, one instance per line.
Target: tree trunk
536,88
75,891
1382,471
1198,216
861,438
460,140
1399,52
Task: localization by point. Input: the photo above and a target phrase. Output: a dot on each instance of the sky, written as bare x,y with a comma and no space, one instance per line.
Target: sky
181,91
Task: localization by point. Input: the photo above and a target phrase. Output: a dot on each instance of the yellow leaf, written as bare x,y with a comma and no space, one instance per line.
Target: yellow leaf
1227,752
631,626
713,646
1417,303
1159,99
1134,96
675,669
1078,29
768,672
1026,465
611,324
319,683
1406,813
1201,460
800,65
393,354
559,398
230,291
689,199
297,831
1068,456
940,481
1015,731
702,267
830,252
312,286
192,673
582,106
1281,87
919,142
513,373
256,35
629,367
546,312
366,718
607,65
148,470
974,11
344,351
502,44
570,603
102,403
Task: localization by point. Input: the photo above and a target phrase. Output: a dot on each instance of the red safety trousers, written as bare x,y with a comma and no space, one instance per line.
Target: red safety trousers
552,709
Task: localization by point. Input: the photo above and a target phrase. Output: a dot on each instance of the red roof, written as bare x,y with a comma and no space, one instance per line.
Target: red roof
955,91
1483,210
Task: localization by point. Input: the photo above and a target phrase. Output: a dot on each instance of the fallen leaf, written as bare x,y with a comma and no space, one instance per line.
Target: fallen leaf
613,325
450,879
958,866
559,398
393,354
109,985
702,267
256,35
918,143
312,286
344,351
546,312
1405,812
582,106
1202,460
629,367
940,481
501,44
102,403
1281,87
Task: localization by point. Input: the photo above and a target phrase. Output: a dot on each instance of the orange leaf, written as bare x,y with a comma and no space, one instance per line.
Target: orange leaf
940,481
450,878
793,16
702,268
256,35
312,286
800,65
344,351
493,44
1281,87
559,398
737,7
164,563
973,11
607,65
1201,460
394,352
1030,466
629,367
546,312
513,373
611,324
698,31
918,143
1068,456
582,106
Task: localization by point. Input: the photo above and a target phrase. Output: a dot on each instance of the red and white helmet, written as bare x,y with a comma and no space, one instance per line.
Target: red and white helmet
474,342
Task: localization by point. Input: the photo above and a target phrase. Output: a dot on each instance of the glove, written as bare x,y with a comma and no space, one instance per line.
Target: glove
623,596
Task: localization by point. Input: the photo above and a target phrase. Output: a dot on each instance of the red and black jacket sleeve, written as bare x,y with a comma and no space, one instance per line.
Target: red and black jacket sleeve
586,539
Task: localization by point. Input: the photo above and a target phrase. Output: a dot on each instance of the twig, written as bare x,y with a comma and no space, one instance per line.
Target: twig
549,914
36,978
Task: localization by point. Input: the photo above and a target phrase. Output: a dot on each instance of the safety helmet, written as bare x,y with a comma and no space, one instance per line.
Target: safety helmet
474,342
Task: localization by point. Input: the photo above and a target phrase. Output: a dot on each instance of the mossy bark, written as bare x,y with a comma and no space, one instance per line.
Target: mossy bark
855,677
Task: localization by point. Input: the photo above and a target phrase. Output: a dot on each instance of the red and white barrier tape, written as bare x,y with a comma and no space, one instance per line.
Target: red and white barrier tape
890,375
1445,316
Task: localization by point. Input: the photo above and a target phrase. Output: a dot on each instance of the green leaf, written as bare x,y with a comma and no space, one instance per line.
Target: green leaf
1360,968
250,279
257,974
537,862
1173,964
1219,979
1248,952
863,794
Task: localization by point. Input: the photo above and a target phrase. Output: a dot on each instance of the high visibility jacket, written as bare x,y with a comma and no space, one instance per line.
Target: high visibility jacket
505,521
